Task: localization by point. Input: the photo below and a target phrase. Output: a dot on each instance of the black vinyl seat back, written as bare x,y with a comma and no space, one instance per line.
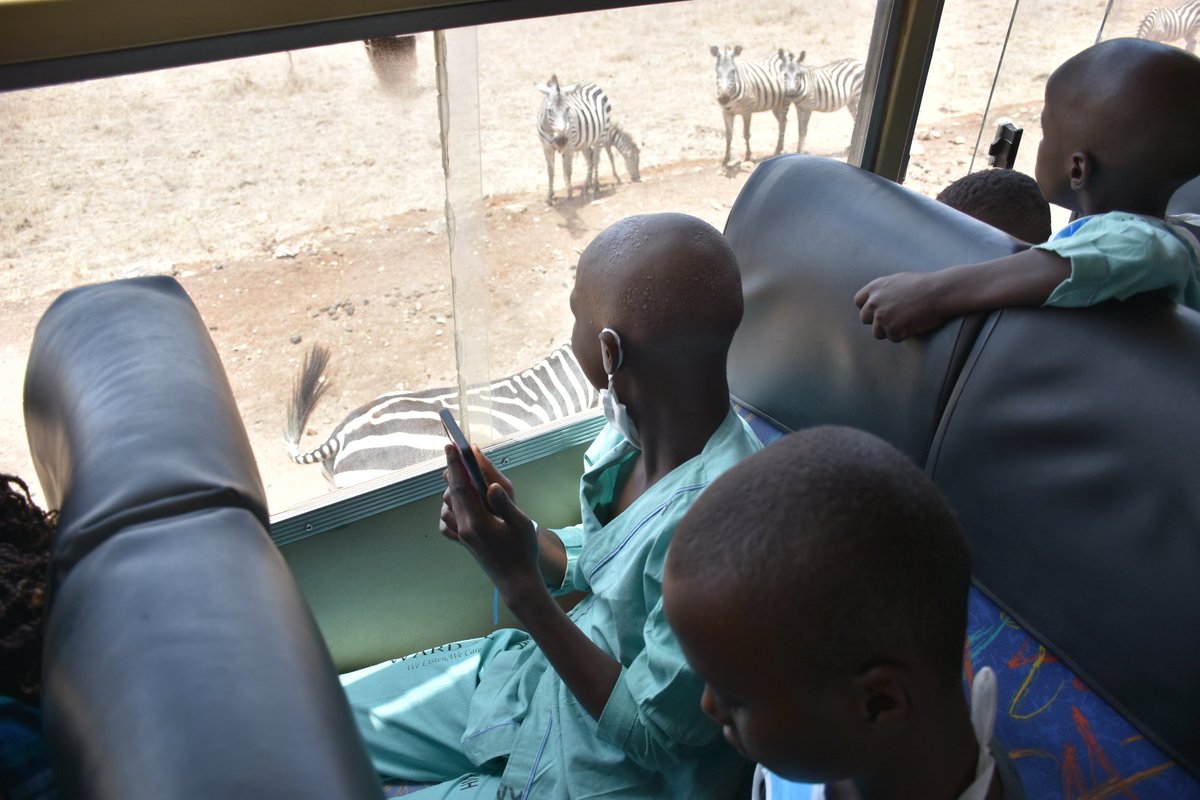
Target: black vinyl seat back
180,658
1067,451
1064,439
809,232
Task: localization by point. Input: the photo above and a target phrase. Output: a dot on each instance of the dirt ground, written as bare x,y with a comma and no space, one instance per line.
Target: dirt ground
300,203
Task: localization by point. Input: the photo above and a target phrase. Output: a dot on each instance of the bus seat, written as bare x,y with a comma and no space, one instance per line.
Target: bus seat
180,658
819,370
1061,437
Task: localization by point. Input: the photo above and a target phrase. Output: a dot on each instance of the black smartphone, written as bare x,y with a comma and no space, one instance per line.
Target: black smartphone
464,450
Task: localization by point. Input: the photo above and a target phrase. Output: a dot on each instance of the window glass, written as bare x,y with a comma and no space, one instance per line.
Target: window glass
985,72
300,197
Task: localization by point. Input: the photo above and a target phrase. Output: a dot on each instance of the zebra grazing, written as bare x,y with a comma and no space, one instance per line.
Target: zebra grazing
620,139
399,429
1173,24
747,87
573,119
824,89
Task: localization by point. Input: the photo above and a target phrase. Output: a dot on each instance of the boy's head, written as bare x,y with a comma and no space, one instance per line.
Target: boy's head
25,537
820,590
668,285
1003,198
1119,128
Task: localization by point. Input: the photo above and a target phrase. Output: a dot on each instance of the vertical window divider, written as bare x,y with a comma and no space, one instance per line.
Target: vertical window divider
457,59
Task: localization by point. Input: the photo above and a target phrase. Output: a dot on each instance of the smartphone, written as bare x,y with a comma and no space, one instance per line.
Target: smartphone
464,450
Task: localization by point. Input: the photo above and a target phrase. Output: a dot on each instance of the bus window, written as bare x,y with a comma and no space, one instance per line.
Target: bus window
990,65
388,200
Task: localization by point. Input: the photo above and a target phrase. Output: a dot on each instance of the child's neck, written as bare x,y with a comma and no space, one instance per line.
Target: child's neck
936,762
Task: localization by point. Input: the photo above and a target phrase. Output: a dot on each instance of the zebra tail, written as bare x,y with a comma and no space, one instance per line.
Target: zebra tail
307,391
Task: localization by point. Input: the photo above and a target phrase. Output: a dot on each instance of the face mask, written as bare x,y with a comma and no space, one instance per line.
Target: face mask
614,410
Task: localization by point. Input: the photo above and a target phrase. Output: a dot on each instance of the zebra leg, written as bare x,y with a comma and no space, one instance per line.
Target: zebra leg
591,181
803,115
549,170
568,158
612,163
781,117
746,134
728,134
594,168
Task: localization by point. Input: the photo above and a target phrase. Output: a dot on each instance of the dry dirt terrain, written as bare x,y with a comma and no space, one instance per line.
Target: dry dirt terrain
300,203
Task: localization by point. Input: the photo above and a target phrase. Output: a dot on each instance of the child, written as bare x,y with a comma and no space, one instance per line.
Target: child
820,590
1003,198
1119,133
25,536
600,700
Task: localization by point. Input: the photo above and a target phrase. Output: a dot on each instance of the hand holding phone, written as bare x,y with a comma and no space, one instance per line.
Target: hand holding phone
466,454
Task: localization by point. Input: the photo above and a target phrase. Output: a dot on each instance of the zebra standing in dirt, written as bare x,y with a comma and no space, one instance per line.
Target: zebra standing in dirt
746,87
620,139
1173,24
399,429
827,88
573,119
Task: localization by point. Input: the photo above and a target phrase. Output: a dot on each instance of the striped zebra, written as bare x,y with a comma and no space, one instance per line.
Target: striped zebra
1173,24
619,138
573,119
826,88
747,87
399,429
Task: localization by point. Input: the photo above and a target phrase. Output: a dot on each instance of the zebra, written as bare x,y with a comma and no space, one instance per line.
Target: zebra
399,429
824,89
572,119
747,87
619,138
1172,24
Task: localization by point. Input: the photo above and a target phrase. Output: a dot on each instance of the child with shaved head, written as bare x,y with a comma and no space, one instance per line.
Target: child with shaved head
1119,131
820,590
599,701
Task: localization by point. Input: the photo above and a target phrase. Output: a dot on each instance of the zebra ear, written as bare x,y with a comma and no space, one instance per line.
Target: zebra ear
783,54
715,51
737,49
543,88
800,57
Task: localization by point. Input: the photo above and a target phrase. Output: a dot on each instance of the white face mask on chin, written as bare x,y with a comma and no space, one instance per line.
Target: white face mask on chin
614,410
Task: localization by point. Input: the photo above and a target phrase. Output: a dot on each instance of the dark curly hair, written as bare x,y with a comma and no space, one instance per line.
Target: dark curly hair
1003,198
26,532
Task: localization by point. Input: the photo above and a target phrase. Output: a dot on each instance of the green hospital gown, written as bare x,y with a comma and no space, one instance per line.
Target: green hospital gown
490,717
1117,255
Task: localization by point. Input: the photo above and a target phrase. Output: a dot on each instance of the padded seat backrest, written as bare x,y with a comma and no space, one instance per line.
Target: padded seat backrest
1063,439
1067,450
180,658
809,232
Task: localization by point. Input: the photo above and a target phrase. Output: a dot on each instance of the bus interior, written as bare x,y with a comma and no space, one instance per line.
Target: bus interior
201,196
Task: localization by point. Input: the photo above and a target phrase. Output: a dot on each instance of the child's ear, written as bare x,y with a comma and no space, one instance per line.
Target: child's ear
883,695
1081,170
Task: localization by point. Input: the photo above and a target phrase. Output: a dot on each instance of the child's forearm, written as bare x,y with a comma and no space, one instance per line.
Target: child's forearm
1023,279
589,672
552,557
907,303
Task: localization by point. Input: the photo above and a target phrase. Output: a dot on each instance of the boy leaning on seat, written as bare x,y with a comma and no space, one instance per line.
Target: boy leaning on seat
1119,133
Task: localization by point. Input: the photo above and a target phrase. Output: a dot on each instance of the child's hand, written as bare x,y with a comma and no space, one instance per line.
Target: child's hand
901,305
491,474
505,543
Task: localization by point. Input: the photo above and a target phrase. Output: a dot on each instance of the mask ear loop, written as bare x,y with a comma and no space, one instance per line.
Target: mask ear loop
620,353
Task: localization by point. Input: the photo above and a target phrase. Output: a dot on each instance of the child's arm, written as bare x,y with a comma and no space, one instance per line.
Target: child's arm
907,303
